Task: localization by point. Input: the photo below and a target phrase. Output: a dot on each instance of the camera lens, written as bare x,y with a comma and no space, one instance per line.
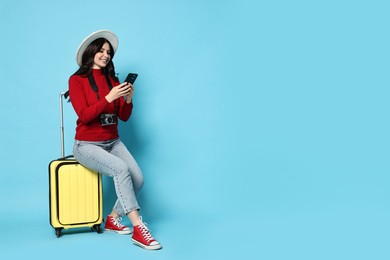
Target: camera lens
107,119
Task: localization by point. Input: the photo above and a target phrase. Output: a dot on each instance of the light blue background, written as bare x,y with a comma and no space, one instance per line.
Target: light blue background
261,127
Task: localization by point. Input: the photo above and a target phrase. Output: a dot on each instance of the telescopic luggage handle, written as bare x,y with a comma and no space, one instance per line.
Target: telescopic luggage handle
62,125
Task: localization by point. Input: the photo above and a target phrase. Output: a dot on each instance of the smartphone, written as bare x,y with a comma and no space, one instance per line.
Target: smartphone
131,77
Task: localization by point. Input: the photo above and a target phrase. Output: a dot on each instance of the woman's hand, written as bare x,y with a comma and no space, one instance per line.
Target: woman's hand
122,90
129,95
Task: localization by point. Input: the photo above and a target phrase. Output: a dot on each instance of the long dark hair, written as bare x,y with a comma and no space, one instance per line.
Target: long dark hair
88,59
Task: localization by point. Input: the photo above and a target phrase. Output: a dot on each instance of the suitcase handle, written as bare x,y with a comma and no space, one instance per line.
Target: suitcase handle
66,157
62,126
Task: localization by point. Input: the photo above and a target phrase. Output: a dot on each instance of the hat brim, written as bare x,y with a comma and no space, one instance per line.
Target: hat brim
110,36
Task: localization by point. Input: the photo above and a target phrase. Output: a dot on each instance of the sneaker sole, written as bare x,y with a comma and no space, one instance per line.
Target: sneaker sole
125,232
155,247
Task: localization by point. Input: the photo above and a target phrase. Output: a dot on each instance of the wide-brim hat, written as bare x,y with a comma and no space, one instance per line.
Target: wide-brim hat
109,35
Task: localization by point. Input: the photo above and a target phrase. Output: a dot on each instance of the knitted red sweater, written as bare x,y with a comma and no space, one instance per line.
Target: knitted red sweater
88,108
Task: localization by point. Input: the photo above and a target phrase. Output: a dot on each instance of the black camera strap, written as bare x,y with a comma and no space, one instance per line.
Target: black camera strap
95,88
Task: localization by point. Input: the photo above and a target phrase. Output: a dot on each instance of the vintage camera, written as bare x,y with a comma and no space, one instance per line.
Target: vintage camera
107,119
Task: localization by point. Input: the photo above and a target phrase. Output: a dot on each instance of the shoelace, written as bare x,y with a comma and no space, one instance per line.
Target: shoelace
145,232
117,222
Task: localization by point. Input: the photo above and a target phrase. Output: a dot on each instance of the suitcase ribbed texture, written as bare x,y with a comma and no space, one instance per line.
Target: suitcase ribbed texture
78,194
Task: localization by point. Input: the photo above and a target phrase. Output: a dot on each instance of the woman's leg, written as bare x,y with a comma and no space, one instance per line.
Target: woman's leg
120,150
141,235
96,156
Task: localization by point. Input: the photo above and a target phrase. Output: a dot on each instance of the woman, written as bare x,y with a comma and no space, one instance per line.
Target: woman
99,100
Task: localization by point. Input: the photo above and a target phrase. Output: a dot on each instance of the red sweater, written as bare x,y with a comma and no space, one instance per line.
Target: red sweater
88,108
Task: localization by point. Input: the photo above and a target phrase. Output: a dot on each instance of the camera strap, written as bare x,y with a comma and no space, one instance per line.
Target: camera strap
95,88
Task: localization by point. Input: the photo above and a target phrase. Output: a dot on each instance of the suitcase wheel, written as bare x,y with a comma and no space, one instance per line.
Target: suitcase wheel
97,228
58,232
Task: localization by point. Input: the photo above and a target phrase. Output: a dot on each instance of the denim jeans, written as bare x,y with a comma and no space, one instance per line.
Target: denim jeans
112,158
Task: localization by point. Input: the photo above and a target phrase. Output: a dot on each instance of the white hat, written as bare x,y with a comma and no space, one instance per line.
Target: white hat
110,36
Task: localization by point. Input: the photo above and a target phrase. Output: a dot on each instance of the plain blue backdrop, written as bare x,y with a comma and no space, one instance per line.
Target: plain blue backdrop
261,127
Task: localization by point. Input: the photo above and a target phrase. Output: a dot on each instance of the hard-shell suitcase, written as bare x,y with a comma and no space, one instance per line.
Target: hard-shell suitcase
75,195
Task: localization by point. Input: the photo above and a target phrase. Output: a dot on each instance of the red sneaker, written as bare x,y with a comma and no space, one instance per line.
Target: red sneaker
114,224
143,238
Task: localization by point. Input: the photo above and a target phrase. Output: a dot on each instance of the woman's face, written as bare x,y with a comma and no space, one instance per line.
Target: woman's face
102,57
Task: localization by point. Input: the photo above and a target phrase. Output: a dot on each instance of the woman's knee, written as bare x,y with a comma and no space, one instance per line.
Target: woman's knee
121,170
138,181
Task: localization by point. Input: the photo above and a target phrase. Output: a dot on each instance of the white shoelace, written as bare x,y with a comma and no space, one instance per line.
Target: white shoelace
145,231
117,222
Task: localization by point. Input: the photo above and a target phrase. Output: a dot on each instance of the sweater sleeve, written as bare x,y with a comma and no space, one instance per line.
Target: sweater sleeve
125,110
78,97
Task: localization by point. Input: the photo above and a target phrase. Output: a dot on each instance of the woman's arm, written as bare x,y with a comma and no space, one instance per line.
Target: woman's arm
125,107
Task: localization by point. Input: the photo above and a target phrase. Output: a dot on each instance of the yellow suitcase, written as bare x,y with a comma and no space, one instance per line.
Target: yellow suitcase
75,196
75,193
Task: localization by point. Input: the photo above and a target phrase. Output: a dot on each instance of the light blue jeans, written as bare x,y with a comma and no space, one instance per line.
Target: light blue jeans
112,158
